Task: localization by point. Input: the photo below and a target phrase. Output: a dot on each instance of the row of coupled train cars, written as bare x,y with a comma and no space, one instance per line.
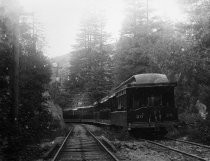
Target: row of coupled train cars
144,101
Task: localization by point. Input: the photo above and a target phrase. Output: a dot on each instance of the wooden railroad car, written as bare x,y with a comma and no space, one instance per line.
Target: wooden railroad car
143,101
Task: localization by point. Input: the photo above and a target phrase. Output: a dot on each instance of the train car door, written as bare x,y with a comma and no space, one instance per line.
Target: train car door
119,115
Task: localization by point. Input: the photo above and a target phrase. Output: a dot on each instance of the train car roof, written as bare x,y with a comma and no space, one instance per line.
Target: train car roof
83,107
104,99
112,95
67,109
77,108
147,78
95,103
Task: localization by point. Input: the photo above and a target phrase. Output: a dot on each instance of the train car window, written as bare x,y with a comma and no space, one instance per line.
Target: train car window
168,98
144,101
159,97
121,102
136,102
155,100
124,102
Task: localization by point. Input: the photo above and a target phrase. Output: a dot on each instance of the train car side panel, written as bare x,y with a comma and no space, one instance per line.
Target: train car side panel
119,118
151,106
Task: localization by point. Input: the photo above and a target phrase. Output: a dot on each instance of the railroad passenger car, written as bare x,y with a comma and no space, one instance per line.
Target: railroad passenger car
78,114
143,101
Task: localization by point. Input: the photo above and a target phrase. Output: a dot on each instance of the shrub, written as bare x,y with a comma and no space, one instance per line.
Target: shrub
197,128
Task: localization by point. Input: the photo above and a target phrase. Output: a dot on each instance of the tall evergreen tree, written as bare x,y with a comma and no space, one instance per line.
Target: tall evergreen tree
33,118
89,75
92,34
180,50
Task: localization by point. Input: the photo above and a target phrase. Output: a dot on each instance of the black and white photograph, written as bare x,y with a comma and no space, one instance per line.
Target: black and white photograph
104,80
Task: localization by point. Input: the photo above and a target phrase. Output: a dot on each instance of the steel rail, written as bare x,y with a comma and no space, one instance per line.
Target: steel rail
189,142
102,145
62,145
176,150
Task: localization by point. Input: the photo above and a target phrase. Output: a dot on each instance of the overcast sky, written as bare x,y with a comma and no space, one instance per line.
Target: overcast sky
61,19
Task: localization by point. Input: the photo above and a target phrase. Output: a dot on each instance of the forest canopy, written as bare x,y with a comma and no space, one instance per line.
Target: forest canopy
148,43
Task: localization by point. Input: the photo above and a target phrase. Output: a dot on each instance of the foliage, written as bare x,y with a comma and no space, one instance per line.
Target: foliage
90,71
202,133
194,64
6,66
179,50
35,72
189,119
92,34
195,127
90,77
147,44
33,118
59,97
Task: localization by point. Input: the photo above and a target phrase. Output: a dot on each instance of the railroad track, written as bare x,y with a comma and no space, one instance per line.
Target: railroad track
189,142
193,153
81,145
